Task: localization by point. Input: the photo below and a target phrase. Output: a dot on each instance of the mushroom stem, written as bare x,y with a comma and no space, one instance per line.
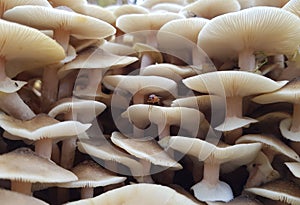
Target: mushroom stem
211,172
21,187
12,104
278,60
66,85
163,130
137,132
62,37
234,108
95,77
146,61
247,60
43,147
146,178
295,126
2,69
55,155
87,192
68,152
295,146
151,39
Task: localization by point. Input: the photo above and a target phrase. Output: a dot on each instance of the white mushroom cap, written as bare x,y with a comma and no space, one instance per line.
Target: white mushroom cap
18,165
292,6
147,194
294,167
129,9
78,25
12,198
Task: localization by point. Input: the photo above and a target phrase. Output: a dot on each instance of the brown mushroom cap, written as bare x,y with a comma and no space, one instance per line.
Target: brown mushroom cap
133,194
18,165
147,149
280,190
91,174
12,198
210,8
78,25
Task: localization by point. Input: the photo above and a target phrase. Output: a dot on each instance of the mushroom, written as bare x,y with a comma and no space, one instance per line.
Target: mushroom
233,86
64,24
17,166
42,129
147,194
210,8
150,3
292,6
84,111
239,35
166,7
12,198
91,175
294,167
23,49
279,190
129,9
210,188
240,200
148,152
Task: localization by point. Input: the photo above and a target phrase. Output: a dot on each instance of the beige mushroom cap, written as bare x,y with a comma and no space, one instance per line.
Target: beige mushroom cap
232,83
280,190
129,9
210,8
225,36
144,84
106,151
68,3
166,7
8,4
40,127
147,149
147,194
18,165
294,167
151,3
202,150
85,110
25,48
240,200
78,25
12,198
270,142
118,49
91,174
141,22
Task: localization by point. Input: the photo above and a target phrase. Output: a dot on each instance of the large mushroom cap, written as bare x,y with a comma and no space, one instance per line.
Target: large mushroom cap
78,25
18,165
227,35
12,198
232,83
147,194
25,48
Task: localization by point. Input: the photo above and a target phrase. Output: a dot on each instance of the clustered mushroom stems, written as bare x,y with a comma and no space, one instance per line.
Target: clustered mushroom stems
211,172
87,192
247,60
50,77
146,178
43,147
95,77
11,102
21,187
234,108
146,60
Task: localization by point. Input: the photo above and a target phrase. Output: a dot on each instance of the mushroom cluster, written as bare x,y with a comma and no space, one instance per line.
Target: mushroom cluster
159,102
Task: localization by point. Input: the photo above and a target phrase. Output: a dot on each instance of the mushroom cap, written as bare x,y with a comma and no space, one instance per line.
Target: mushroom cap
18,165
294,167
141,22
166,7
40,127
204,150
284,191
12,198
86,110
147,149
187,118
141,84
96,58
210,8
96,11
185,28
232,83
270,142
142,49
292,6
288,93
133,194
225,36
278,3
8,85
284,127
90,174
129,9
151,3
8,4
240,200
68,3
25,48
77,25
167,70
106,151
118,49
